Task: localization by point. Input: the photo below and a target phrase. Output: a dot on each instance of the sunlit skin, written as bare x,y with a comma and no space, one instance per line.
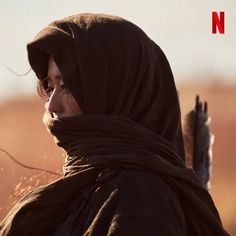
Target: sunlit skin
61,102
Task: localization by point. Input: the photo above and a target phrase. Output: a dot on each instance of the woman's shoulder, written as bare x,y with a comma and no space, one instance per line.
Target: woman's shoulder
141,181
138,203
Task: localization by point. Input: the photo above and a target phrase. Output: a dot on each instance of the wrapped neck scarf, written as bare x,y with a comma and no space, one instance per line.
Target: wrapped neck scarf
94,139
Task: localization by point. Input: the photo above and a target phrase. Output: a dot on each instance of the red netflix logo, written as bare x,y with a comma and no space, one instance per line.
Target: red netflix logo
218,22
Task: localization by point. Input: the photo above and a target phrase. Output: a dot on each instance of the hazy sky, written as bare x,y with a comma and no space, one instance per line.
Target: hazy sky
181,28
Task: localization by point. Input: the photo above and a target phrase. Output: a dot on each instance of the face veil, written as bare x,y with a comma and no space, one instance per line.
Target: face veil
112,68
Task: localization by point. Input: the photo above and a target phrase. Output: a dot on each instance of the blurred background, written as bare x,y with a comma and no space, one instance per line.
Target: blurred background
202,63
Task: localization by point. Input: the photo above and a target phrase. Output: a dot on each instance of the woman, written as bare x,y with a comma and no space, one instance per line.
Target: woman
113,107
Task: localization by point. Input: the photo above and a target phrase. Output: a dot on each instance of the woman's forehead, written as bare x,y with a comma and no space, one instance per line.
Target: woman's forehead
54,74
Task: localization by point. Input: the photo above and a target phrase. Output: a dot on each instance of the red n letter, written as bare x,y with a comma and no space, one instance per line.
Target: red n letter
218,22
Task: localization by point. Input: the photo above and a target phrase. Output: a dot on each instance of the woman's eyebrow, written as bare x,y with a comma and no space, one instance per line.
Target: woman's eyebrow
56,77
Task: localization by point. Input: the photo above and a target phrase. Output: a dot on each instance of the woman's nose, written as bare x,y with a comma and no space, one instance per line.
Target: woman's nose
53,105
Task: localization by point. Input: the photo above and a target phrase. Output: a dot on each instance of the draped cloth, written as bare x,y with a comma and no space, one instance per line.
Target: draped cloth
114,145
125,171
113,68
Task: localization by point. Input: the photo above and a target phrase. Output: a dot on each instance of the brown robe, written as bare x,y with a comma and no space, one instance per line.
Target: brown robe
125,171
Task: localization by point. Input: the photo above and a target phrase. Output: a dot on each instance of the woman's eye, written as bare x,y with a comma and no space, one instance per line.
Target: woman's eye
63,87
49,90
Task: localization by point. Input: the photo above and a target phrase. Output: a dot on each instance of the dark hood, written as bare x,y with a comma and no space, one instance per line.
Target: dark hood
112,67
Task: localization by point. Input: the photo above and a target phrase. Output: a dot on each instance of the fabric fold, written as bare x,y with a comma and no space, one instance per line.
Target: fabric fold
93,147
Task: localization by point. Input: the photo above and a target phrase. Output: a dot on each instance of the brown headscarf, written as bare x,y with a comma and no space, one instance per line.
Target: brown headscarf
112,67
123,150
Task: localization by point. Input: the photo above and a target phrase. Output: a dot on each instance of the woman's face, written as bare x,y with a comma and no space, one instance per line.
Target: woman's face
61,102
